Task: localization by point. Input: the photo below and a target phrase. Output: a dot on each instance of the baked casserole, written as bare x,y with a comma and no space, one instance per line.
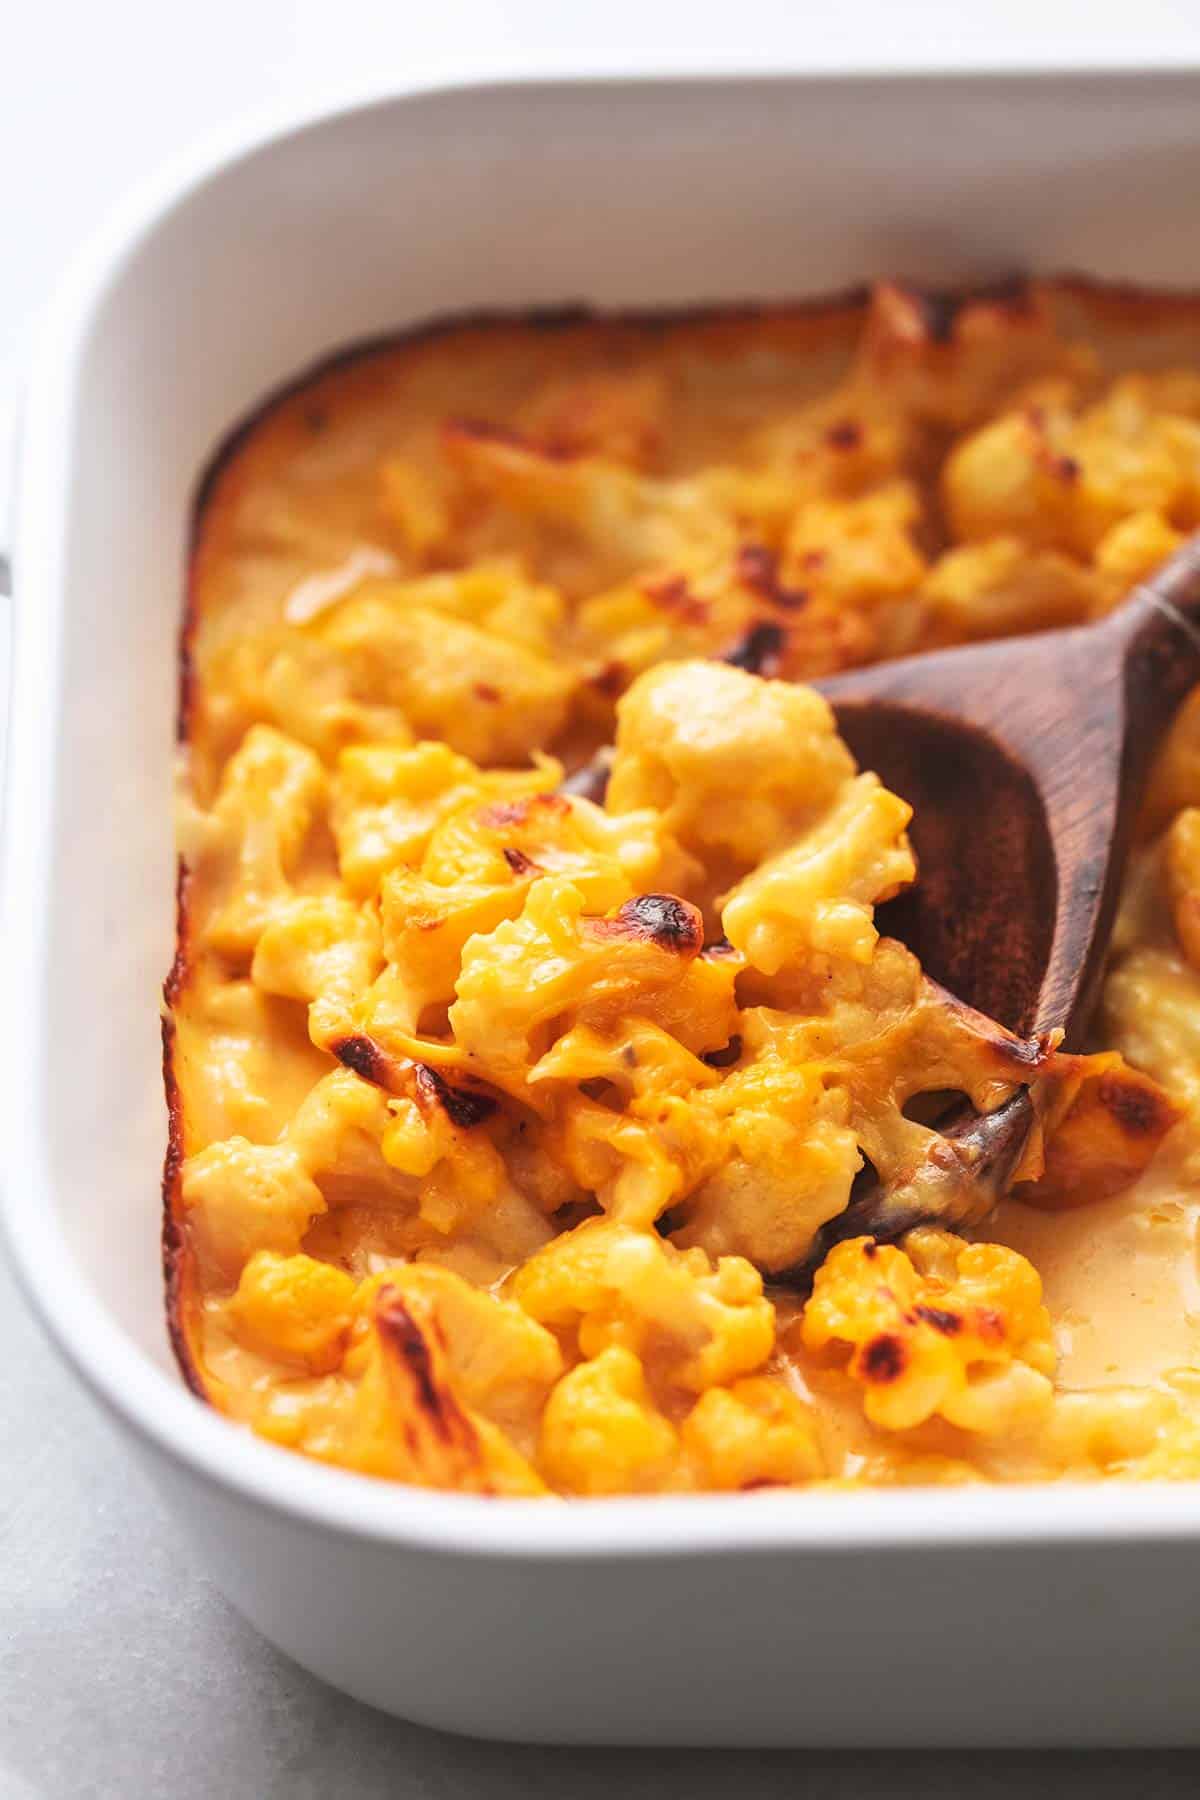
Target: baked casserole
530,1026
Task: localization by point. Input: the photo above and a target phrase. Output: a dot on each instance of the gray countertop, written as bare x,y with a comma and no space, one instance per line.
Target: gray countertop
125,1675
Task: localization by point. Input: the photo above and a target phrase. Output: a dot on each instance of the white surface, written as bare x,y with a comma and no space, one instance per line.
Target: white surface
99,1645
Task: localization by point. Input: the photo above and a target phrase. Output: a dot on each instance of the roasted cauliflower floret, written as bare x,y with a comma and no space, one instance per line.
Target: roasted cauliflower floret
503,1364
1152,1007
250,845
1133,549
857,553
240,1198
1175,777
560,834
1182,869
497,595
323,951
1065,480
737,766
817,897
791,1158
433,674
1000,587
1103,1133
938,1327
553,960
602,1433
754,1434
475,874
387,800
294,1308
408,1423
1140,1434
700,1323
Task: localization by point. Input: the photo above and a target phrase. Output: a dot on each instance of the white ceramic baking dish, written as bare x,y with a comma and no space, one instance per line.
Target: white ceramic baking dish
1058,1615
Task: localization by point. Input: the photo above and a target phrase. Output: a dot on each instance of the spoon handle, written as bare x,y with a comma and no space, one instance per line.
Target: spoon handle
1159,624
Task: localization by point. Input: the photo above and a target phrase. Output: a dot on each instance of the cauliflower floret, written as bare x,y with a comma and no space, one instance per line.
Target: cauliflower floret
520,979
791,1158
1001,587
388,799
1175,777
305,691
639,1162
241,1197
815,1091
426,926
497,595
602,1433
1015,477
1134,548
475,874
948,361
386,648
1139,1434
555,834
817,896
1181,866
847,441
456,1171
502,1362
624,520
294,1308
1107,1127
323,951
738,607
756,1433
858,553
407,1422
701,1323
939,1327
737,765
1066,481
250,845
1151,1007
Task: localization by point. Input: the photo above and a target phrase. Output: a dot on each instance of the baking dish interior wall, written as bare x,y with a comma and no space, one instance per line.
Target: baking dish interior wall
660,195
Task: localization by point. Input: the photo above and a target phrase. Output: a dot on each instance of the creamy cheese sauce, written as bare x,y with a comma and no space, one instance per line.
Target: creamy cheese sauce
1121,1277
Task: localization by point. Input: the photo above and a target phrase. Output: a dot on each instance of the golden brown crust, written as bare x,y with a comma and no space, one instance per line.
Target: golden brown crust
178,1274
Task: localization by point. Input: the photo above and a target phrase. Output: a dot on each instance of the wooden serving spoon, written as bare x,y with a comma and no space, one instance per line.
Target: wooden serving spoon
1024,760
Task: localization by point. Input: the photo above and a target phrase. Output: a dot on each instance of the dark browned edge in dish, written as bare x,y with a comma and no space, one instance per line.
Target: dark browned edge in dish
940,305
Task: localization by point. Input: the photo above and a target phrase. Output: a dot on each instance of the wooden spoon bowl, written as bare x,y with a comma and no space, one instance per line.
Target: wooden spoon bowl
1025,762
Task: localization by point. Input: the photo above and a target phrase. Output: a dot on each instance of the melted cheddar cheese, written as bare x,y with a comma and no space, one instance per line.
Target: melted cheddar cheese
531,1030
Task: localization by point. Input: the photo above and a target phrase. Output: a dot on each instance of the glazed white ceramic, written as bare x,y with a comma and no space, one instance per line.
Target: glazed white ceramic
1045,1616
